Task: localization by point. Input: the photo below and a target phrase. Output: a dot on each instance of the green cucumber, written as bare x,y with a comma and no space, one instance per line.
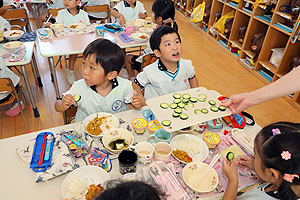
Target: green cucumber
166,122
204,110
186,96
178,110
175,115
173,105
197,111
193,100
230,155
164,105
181,105
185,101
202,100
222,108
177,101
176,96
211,102
77,97
214,109
184,116
202,96
188,106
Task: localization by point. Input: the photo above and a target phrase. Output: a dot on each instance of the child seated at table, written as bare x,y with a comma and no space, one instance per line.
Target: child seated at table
101,90
56,4
170,73
72,15
277,162
129,10
95,15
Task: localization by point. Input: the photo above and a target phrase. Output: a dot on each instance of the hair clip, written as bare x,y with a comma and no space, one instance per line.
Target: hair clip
276,131
286,155
290,177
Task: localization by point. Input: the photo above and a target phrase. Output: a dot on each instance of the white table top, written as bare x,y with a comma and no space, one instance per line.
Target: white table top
18,180
74,44
28,55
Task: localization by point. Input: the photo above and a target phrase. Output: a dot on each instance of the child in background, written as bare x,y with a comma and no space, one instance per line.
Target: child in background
129,10
101,89
277,162
170,73
72,15
55,4
163,14
95,15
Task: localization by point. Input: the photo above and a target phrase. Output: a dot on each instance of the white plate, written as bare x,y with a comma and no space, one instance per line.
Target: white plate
93,174
101,114
192,171
137,37
201,153
13,34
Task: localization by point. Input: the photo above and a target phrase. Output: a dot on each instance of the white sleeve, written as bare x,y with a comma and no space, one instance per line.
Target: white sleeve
129,94
141,8
191,69
8,3
142,78
71,91
118,7
59,18
85,18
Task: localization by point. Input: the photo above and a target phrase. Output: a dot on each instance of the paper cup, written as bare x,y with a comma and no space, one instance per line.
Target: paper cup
162,151
144,152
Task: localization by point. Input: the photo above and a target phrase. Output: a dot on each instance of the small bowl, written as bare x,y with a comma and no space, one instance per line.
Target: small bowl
118,133
146,30
13,34
12,46
57,28
139,37
77,27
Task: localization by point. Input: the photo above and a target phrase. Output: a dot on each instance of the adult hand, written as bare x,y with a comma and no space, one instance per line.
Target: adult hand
67,101
238,102
246,161
137,100
229,169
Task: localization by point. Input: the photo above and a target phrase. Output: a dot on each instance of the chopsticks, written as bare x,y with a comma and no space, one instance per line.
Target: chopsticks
42,153
212,163
47,21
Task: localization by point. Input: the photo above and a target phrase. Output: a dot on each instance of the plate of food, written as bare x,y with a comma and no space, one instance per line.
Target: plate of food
139,37
84,183
77,27
188,148
13,34
97,124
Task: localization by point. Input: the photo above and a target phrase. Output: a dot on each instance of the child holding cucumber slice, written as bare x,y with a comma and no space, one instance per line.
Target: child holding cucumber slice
100,90
170,73
276,162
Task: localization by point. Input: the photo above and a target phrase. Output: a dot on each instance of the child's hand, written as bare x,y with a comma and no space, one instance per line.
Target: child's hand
245,161
67,101
137,100
122,20
229,169
142,15
47,25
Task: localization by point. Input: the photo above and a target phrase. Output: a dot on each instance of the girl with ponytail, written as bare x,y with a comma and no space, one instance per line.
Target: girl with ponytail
276,162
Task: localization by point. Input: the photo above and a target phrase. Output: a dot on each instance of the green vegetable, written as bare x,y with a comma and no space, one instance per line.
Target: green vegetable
222,108
193,100
175,115
202,100
176,96
197,111
164,105
181,105
202,96
177,101
230,155
77,97
204,110
173,105
211,102
178,110
166,122
214,109
184,116
186,96
185,101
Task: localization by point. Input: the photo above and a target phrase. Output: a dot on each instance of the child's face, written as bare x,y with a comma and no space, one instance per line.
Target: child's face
92,72
130,2
71,4
170,48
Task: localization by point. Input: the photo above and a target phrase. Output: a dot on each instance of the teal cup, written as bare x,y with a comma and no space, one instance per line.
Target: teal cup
100,30
160,135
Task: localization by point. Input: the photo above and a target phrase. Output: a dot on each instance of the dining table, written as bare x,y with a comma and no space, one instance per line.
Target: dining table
18,180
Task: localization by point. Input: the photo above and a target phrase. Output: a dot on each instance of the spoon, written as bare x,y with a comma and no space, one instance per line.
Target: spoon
49,140
155,172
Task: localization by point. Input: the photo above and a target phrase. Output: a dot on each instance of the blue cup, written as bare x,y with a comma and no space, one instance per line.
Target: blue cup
100,30
160,135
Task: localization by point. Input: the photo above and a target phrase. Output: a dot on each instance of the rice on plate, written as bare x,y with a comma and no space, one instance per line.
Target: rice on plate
77,189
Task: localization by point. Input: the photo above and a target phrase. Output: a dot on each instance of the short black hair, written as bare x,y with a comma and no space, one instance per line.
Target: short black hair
108,54
136,190
165,9
156,36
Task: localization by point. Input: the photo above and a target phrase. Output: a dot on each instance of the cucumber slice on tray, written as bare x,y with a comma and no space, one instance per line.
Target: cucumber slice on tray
177,101
184,116
164,105
202,100
175,115
186,96
166,122
185,101
193,100
176,96
173,105
197,111
181,105
202,96
214,109
204,110
222,108
178,110
230,155
211,102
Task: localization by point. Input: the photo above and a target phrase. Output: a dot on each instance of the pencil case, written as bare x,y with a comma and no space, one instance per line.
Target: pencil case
75,143
113,28
41,148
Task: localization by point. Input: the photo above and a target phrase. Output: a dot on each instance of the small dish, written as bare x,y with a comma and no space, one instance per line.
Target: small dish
13,34
57,28
139,37
77,27
12,46
146,30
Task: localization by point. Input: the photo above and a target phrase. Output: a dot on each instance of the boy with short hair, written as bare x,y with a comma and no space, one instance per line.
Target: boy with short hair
101,89
129,10
170,73
72,15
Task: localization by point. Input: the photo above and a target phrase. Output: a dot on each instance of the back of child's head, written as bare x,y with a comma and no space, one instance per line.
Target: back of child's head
108,54
273,143
155,38
166,10
130,191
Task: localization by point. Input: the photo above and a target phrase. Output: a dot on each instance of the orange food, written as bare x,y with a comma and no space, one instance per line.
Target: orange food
143,37
93,126
183,156
93,192
73,26
14,33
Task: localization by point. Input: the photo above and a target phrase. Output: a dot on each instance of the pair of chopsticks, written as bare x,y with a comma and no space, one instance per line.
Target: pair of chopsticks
47,21
212,163
42,153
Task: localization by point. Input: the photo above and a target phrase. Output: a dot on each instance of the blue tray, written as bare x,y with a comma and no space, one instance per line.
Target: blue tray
37,151
113,28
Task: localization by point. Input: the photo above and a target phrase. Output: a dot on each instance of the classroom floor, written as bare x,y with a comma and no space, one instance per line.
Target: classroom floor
215,69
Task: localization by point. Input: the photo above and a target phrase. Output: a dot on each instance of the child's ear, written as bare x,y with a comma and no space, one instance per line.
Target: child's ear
112,75
159,20
157,53
275,175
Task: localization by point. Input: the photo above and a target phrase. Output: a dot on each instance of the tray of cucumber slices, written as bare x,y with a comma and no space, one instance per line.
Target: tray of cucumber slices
186,108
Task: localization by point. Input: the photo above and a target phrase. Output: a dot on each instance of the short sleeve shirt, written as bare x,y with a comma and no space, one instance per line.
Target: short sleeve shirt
157,80
129,13
92,102
65,17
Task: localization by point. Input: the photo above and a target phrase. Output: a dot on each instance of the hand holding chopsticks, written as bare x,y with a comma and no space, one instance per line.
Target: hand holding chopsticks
47,21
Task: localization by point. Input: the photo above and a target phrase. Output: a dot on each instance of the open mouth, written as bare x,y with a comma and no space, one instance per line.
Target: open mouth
175,54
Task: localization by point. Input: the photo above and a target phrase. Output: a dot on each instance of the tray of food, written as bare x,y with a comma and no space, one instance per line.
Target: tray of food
186,108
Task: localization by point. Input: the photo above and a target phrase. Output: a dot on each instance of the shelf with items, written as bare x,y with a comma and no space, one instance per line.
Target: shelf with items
266,75
232,4
246,7
245,61
239,28
216,13
229,21
234,49
282,24
263,16
266,64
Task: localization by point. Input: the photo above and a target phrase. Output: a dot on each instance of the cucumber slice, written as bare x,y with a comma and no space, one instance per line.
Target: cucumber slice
188,106
214,109
164,105
77,97
185,101
202,96
175,115
173,105
166,122
176,101
193,100
181,105
222,108
178,110
184,116
186,96
202,100
230,155
176,96
204,110
211,102
197,111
